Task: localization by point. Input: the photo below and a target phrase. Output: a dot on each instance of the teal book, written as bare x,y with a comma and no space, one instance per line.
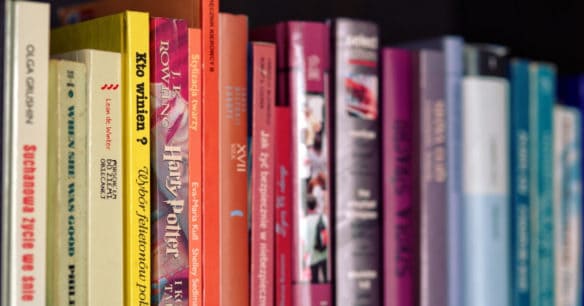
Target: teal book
519,183
542,88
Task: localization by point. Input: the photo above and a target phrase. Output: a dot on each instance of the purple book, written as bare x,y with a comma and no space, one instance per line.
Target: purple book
170,141
433,175
355,155
400,178
303,66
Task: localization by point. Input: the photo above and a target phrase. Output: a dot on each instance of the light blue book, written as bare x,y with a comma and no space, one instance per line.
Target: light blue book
519,179
542,84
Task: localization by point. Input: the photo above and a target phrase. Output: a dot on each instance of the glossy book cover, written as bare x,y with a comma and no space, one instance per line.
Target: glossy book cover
170,143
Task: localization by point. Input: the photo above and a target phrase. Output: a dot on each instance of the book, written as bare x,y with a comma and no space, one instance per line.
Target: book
25,157
355,155
5,57
542,90
485,118
567,205
520,213
104,175
67,190
128,34
170,161
262,96
303,74
433,175
452,48
400,165
231,152
195,168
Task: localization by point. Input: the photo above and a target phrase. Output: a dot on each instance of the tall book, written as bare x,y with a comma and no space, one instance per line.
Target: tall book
303,67
433,174
452,48
67,191
542,90
170,161
485,106
520,213
104,175
127,33
231,158
262,96
567,205
195,169
400,165
24,193
355,156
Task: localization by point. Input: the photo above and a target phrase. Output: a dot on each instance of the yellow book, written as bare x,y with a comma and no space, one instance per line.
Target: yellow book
127,33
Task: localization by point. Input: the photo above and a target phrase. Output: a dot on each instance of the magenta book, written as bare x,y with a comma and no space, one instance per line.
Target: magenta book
303,81
400,180
170,141
262,66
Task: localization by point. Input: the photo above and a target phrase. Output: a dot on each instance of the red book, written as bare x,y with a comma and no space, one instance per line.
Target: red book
195,170
262,99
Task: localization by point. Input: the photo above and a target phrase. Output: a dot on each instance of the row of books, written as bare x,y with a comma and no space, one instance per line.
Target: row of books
172,161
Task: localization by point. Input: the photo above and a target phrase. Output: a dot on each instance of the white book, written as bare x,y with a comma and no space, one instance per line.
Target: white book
104,175
25,203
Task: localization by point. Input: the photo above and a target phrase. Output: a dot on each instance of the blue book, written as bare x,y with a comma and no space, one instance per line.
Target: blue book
452,47
542,85
519,180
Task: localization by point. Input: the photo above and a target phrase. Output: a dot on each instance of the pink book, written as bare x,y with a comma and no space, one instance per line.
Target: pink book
170,143
262,96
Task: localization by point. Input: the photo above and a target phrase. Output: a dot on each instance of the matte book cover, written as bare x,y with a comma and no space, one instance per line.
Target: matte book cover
400,165
355,155
170,161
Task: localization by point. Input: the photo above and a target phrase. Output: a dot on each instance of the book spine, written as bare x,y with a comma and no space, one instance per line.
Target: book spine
519,184
433,173
195,169
232,151
28,155
262,100
567,205
5,91
136,161
170,161
485,170
356,151
308,67
400,184
210,188
66,214
542,95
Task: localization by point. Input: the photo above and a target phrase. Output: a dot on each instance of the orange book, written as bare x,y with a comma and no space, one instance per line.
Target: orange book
233,219
195,170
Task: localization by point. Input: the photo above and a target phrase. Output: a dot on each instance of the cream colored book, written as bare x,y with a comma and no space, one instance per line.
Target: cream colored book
104,175
67,185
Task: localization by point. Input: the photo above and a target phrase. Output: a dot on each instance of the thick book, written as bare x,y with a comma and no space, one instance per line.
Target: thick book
303,74
231,152
568,205
433,174
67,190
452,48
24,192
104,175
355,154
262,96
542,91
485,159
170,161
127,33
400,182
520,212
195,169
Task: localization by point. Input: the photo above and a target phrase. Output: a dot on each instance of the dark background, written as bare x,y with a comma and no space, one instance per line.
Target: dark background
542,30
